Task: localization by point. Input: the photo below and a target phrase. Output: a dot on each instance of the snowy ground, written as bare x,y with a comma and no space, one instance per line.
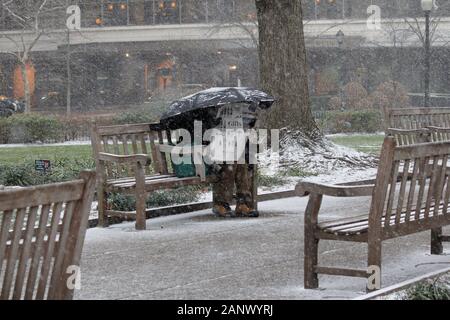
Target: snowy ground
198,256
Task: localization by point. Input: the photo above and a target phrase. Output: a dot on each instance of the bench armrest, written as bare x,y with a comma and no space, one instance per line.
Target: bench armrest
305,188
134,158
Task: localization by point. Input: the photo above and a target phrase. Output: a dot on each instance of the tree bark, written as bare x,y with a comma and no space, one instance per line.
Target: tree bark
26,86
283,68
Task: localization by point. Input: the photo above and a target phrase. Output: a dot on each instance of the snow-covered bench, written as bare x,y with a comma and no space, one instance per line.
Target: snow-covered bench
410,195
42,231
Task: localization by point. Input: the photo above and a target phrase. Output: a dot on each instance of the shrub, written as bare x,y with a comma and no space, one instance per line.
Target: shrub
294,171
29,128
368,121
428,291
269,181
75,127
24,174
390,94
355,98
354,92
142,116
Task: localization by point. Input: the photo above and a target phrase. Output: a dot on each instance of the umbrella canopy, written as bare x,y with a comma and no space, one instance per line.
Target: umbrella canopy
9,106
199,102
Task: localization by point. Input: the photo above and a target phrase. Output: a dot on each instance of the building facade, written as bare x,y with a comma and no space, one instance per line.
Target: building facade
129,50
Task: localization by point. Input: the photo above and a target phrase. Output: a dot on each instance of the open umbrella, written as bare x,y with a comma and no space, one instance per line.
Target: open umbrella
205,103
9,106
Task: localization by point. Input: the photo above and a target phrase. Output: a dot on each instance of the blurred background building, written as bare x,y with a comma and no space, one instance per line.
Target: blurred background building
128,51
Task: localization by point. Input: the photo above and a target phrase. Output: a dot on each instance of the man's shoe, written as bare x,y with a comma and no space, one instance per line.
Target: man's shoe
243,210
222,210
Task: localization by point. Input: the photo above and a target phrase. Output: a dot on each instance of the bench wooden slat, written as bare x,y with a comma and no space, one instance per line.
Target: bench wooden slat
401,196
49,247
392,188
6,219
33,196
170,182
11,261
36,259
358,224
27,235
422,184
431,186
131,179
412,188
342,272
123,129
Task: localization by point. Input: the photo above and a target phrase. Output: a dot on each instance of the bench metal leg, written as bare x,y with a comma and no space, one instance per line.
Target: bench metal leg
436,241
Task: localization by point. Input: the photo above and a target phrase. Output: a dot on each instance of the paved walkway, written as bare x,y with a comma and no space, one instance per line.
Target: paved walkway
197,256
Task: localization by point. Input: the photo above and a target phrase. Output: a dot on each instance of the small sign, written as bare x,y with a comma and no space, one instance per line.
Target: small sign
42,165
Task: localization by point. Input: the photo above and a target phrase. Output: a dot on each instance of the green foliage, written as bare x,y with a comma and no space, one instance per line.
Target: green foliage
368,121
269,181
160,198
142,116
428,291
296,172
28,128
24,174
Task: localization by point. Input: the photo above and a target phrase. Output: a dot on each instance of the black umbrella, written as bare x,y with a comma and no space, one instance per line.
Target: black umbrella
9,106
204,103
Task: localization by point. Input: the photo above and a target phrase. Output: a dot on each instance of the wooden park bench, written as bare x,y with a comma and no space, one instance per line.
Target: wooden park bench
417,125
42,231
410,195
417,118
135,160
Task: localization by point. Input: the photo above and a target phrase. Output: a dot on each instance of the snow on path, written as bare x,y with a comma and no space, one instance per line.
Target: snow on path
198,256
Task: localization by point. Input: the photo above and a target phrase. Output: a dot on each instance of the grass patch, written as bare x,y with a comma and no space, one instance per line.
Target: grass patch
17,164
14,155
368,143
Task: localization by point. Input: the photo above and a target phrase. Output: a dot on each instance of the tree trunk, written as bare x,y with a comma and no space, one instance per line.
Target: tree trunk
26,86
283,69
